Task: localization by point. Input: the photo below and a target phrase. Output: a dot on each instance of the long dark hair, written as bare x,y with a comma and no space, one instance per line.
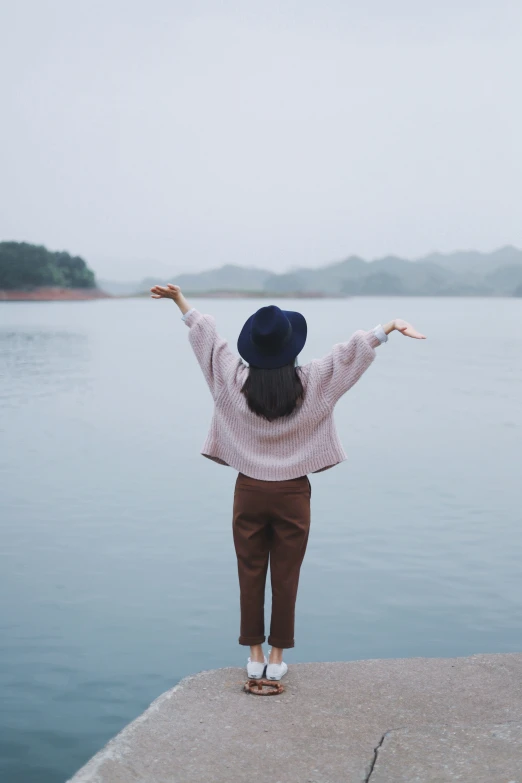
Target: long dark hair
272,394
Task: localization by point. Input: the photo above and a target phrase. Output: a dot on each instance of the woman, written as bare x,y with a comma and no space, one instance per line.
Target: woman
273,423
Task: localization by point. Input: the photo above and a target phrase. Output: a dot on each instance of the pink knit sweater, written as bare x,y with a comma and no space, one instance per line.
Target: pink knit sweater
289,447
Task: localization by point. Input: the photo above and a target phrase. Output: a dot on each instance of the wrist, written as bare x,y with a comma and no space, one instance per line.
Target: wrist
182,304
389,327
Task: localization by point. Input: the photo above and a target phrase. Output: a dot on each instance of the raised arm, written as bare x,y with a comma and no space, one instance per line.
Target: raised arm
340,369
171,292
212,352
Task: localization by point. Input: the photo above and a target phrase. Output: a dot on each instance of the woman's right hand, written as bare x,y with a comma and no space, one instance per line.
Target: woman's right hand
404,328
171,292
166,292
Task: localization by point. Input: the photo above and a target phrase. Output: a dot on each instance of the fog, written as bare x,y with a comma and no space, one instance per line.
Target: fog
161,137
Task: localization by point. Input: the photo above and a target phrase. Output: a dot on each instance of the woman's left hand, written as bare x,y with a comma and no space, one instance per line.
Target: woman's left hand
404,328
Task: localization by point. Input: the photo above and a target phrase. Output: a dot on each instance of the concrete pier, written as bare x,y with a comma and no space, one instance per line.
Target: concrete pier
407,720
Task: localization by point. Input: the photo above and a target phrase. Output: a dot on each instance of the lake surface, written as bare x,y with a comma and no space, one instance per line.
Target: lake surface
117,568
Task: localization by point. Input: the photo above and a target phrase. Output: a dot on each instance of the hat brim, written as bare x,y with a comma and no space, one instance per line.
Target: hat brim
251,354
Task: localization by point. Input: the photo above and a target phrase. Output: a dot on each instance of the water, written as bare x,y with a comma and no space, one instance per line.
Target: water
117,569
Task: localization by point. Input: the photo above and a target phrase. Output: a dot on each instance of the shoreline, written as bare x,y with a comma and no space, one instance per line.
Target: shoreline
53,294
248,295
59,294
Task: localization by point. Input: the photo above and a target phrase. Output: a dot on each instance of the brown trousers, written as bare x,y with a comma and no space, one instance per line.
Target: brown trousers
271,520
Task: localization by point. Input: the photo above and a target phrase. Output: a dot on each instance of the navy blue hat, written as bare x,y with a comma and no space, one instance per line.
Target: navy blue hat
272,337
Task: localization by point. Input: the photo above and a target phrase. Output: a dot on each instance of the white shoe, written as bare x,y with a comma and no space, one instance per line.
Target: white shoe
255,670
274,671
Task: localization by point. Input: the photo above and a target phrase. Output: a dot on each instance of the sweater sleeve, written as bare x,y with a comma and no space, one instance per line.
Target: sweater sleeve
343,366
212,352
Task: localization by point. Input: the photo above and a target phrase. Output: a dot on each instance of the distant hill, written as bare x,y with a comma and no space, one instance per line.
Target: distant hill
468,273
25,267
226,278
473,261
122,288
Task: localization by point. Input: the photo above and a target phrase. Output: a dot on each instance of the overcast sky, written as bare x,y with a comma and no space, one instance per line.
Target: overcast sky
156,137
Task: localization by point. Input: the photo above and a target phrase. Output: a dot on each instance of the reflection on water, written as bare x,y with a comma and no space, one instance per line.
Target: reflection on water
117,569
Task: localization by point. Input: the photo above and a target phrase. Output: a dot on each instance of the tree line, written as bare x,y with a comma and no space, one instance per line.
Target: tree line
25,266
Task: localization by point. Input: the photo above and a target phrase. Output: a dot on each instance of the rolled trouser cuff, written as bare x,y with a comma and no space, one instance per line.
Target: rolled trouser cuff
251,640
282,643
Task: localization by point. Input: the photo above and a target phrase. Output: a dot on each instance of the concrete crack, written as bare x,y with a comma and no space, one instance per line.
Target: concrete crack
430,725
375,754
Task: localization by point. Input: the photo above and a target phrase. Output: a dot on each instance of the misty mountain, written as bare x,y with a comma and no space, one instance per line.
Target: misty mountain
468,273
505,279
473,261
120,288
226,278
